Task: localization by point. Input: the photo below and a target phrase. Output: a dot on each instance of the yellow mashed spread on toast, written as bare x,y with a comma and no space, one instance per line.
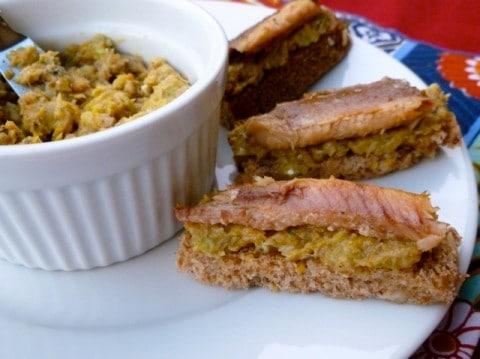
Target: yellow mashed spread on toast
338,249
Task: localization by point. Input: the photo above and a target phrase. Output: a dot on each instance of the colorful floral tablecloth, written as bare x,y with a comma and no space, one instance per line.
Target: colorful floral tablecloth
458,74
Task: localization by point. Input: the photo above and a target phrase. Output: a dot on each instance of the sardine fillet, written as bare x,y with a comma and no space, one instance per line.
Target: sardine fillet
370,210
355,111
279,24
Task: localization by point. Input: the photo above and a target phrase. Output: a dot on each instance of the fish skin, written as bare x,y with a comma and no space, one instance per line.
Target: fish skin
354,111
292,16
331,203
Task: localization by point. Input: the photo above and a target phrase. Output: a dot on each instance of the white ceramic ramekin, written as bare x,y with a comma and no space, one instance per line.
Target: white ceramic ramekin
106,197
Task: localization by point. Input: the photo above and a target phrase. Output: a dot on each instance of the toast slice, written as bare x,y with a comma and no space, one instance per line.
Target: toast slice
339,238
355,132
280,58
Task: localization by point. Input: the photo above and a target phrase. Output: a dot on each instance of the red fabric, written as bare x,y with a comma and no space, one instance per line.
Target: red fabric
453,24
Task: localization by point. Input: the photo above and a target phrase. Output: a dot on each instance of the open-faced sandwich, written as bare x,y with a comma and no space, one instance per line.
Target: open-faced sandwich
281,57
355,132
336,237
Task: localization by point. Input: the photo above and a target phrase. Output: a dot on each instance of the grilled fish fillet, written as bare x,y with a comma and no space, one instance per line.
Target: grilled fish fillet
280,24
355,111
280,57
335,227
367,209
354,132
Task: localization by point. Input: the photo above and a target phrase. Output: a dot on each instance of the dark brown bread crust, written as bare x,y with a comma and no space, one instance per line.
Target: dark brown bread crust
436,280
286,83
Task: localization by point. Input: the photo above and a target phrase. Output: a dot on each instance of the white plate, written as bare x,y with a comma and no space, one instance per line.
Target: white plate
145,309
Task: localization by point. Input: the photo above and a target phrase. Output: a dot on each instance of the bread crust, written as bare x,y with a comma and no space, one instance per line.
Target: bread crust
435,280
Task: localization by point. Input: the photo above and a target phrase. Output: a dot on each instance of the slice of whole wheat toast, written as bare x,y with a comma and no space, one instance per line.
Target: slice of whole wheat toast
434,280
